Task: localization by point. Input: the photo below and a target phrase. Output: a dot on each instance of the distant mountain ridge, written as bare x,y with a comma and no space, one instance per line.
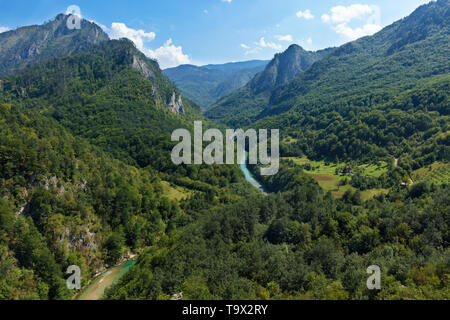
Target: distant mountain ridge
31,44
206,84
254,96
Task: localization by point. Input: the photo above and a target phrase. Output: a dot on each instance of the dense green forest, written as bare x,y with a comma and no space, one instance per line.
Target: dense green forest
412,126
86,177
66,202
303,244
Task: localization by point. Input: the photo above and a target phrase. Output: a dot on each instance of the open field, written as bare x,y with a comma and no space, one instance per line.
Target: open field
329,181
438,173
319,167
175,192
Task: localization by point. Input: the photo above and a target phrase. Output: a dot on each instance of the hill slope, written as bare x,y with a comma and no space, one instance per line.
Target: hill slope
413,48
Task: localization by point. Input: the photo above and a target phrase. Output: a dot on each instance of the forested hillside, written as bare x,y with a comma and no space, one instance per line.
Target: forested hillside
238,108
65,202
111,94
303,244
84,175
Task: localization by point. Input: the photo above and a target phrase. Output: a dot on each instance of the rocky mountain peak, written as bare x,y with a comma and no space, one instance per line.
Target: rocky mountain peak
31,44
284,67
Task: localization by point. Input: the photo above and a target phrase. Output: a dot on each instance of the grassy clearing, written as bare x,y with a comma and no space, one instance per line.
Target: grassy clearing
438,173
319,167
327,178
175,192
369,194
374,170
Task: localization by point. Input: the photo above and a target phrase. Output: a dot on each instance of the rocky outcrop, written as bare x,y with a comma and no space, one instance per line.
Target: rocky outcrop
142,67
285,67
176,104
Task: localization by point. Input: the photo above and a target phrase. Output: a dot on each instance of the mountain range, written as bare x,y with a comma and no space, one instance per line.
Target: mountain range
355,101
206,84
401,55
254,96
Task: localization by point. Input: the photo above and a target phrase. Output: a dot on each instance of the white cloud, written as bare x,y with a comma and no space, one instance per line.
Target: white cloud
326,18
249,50
341,16
309,41
262,43
253,51
287,38
169,55
356,33
229,1
3,29
346,14
305,14
139,37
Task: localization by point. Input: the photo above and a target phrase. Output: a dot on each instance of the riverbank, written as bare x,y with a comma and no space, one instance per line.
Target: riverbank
96,287
250,178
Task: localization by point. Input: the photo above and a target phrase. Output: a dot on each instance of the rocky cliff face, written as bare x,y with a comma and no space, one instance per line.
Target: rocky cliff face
142,67
27,45
176,104
285,67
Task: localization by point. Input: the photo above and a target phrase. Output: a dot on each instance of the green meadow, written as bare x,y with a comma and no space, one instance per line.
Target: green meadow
437,173
325,174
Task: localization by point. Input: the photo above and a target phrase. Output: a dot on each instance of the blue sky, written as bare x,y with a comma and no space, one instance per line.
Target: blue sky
218,31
